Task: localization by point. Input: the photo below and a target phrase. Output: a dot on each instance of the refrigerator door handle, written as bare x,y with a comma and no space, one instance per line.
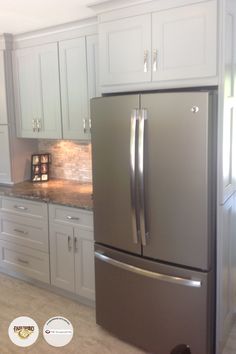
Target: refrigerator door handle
133,127
142,222
147,273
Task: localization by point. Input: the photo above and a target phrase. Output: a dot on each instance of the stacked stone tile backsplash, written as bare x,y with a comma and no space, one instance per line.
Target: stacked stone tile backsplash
70,159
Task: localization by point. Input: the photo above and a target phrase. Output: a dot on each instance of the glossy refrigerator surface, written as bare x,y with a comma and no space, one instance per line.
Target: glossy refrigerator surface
154,218
113,214
177,163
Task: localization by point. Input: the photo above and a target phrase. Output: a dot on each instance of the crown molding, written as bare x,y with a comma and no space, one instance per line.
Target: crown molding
110,5
61,32
71,26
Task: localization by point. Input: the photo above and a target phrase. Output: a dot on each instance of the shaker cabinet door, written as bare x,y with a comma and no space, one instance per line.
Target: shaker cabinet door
62,257
125,49
25,95
84,263
36,81
5,165
48,91
74,89
184,42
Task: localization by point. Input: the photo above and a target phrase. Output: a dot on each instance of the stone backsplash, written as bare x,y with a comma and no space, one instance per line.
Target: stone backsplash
69,159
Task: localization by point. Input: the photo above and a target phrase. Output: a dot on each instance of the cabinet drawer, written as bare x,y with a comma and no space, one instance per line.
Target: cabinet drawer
31,263
70,215
24,231
23,207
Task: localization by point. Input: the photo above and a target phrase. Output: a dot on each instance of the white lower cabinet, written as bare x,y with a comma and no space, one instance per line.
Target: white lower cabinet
72,250
62,257
5,165
24,238
25,261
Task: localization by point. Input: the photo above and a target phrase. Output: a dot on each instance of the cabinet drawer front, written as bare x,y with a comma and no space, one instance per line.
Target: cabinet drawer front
24,231
24,207
34,264
71,216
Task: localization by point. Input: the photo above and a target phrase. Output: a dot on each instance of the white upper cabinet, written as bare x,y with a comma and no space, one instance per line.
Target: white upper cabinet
38,112
5,166
74,89
171,47
53,85
3,98
92,67
184,42
124,51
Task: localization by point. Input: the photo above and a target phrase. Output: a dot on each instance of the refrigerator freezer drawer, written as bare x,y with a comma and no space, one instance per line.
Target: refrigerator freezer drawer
153,306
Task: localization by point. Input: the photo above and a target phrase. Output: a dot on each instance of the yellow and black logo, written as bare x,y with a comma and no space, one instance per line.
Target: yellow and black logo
23,332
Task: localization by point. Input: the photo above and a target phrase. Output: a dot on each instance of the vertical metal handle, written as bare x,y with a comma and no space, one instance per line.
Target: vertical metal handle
84,126
133,127
34,125
90,124
154,64
69,243
75,244
145,61
142,223
38,125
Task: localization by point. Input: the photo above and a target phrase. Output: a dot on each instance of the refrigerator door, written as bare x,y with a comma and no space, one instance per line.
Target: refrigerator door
179,183
114,122
151,305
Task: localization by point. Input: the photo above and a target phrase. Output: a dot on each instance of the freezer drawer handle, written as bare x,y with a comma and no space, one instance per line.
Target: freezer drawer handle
133,127
147,273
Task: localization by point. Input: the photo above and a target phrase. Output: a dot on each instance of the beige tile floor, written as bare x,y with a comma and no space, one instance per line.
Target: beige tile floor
18,298
230,347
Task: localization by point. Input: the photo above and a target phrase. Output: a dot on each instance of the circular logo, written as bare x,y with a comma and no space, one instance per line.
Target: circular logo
58,331
23,331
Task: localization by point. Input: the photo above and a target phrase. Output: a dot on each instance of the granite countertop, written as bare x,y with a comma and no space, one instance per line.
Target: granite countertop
56,191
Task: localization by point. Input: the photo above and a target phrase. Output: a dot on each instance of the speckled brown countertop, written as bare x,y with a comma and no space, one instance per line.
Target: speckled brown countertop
63,192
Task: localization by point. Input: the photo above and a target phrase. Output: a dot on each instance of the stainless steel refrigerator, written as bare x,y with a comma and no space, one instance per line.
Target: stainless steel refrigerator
154,175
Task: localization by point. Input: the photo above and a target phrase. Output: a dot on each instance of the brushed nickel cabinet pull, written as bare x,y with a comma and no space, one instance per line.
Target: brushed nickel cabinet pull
72,217
145,61
75,244
21,231
34,125
20,207
84,126
22,261
154,65
69,243
38,125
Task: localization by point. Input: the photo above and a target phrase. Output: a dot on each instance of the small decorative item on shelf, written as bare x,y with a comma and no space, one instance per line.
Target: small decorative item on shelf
40,167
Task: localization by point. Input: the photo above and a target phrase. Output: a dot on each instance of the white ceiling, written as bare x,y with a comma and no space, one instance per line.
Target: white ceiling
19,16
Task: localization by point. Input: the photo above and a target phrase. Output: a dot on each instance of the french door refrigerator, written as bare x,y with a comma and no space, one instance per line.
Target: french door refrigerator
154,172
